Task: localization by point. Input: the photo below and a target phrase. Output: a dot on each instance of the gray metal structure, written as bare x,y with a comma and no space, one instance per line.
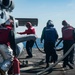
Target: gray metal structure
23,21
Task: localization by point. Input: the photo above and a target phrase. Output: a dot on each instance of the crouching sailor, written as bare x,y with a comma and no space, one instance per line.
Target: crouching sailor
7,47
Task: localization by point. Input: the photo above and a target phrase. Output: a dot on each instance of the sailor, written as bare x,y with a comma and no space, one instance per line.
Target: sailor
29,43
68,41
7,46
50,36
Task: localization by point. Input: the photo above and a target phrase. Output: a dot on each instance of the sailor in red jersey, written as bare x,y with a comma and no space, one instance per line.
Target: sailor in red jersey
7,46
30,43
68,41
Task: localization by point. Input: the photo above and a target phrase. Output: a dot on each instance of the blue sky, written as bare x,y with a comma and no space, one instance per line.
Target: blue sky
55,10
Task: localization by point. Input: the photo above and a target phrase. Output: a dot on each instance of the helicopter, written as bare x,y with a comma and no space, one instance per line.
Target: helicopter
6,7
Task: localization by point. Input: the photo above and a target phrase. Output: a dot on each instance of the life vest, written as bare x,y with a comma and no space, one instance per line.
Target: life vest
30,30
4,36
67,33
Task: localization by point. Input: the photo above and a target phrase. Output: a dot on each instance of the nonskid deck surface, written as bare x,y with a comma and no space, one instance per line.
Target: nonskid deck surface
37,64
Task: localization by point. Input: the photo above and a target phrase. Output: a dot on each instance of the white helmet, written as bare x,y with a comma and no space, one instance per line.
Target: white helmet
4,16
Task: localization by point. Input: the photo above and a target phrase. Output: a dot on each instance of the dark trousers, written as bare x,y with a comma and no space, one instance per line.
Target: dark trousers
66,46
50,51
29,45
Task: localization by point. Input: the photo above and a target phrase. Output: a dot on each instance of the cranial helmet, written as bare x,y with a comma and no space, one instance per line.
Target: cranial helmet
28,23
49,22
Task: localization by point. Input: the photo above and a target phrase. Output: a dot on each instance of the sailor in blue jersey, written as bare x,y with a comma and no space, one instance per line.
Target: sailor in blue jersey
50,36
